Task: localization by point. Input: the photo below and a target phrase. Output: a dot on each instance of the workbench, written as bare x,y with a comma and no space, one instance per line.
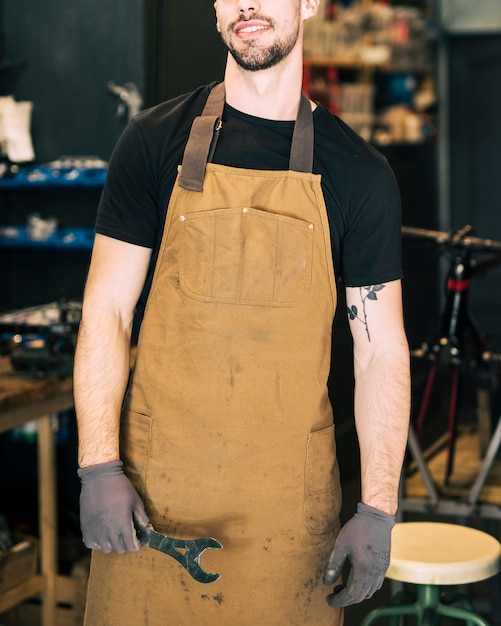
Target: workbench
22,400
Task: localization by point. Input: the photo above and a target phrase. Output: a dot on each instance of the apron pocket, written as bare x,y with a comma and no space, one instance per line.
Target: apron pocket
322,497
135,443
246,256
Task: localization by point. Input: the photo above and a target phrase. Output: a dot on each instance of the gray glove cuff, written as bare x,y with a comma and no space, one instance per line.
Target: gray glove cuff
100,469
365,509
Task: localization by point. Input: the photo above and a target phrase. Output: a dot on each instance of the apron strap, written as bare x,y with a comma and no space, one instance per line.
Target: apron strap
203,136
205,132
301,158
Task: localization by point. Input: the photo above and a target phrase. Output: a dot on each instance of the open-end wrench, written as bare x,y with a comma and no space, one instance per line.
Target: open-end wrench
186,551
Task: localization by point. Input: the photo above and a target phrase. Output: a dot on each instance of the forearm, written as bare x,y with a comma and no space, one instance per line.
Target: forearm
382,408
102,362
116,277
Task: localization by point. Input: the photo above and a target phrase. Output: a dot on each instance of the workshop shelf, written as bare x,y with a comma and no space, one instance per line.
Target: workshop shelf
40,176
62,238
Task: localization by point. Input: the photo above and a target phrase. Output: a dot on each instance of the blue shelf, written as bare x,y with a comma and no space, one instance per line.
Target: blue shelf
50,177
62,239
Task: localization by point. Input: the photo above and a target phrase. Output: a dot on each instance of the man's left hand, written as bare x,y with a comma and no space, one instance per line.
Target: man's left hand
364,542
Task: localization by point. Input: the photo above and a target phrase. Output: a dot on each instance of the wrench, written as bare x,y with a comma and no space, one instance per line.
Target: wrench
186,551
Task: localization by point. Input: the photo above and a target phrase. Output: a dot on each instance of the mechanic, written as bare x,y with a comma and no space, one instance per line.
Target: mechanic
228,216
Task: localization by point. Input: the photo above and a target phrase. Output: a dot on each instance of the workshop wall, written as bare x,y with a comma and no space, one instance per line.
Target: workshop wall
61,57
67,53
183,48
475,155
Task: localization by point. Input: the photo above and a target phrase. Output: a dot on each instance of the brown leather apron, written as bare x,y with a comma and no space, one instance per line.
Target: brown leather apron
227,429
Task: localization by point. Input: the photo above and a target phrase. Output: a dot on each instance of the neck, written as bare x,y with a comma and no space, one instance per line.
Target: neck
272,94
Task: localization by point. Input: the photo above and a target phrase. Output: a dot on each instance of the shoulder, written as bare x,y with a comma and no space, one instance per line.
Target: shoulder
154,139
355,175
172,115
335,139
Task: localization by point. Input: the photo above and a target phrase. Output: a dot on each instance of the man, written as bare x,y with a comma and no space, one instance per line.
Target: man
226,429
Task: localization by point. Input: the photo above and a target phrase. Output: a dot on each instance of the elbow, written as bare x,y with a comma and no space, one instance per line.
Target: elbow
388,353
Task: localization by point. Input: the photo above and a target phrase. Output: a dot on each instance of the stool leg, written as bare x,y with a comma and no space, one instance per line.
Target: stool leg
465,603
401,598
460,599
428,601
470,618
389,611
427,609
429,598
429,617
428,595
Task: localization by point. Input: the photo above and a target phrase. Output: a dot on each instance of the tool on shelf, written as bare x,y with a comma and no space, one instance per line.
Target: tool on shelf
66,172
130,99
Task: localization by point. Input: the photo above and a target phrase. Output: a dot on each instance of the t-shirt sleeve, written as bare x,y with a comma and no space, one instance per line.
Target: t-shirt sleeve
371,248
128,206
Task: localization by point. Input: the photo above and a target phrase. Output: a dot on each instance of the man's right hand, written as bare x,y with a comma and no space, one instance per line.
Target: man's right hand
109,508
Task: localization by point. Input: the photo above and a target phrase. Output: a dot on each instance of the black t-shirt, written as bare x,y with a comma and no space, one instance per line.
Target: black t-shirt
360,191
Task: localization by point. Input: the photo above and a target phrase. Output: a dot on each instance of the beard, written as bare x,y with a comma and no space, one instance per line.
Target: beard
252,57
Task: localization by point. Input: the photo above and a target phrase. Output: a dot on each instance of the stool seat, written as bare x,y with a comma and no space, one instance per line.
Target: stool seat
432,554
435,553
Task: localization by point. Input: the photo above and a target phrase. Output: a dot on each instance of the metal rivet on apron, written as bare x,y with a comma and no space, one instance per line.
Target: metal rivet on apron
181,218
311,227
245,209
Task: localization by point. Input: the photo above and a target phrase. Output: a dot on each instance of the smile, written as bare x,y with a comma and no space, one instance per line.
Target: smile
252,29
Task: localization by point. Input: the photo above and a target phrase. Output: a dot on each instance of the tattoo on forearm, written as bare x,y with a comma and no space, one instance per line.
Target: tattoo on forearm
366,293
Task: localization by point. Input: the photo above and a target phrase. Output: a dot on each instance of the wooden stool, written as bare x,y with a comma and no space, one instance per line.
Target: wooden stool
431,554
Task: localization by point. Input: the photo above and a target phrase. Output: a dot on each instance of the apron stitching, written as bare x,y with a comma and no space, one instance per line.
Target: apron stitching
241,269
212,253
322,211
277,260
242,171
147,463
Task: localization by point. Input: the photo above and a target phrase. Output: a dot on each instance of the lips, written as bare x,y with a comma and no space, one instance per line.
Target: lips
251,28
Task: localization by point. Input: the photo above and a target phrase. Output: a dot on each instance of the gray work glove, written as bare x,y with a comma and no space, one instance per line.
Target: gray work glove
109,508
364,542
